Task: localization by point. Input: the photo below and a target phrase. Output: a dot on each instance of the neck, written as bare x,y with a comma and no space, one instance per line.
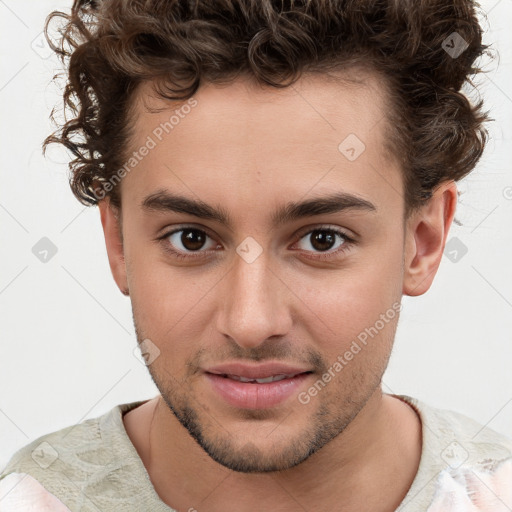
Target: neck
348,471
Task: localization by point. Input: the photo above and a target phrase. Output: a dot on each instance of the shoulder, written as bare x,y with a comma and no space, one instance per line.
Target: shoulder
54,450
56,465
470,464
461,438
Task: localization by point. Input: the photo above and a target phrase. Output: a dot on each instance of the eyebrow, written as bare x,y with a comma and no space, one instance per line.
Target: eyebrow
164,201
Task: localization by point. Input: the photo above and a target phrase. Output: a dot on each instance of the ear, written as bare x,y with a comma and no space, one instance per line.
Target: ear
112,229
426,232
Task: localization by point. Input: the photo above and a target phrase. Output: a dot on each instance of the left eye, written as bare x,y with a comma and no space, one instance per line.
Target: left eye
323,239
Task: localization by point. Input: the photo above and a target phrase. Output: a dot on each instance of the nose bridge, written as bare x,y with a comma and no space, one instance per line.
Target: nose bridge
254,307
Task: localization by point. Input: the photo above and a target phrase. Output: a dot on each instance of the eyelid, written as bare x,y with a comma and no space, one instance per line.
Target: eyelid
348,234
181,227
167,231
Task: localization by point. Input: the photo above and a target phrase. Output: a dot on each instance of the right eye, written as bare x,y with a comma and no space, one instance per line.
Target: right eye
186,241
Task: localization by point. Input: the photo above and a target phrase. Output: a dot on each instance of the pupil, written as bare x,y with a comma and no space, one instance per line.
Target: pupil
321,239
192,239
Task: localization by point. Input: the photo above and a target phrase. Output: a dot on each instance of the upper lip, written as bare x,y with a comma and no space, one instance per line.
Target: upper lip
260,371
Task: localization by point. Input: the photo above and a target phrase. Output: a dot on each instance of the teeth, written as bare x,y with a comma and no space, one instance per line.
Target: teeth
273,378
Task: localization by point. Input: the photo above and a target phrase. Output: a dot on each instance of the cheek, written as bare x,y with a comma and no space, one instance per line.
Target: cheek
170,308
353,310
349,304
162,291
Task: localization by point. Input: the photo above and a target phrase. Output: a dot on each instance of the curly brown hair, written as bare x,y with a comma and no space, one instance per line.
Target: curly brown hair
110,47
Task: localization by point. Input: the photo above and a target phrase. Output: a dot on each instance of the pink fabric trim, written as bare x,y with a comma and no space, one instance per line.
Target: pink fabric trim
20,492
472,490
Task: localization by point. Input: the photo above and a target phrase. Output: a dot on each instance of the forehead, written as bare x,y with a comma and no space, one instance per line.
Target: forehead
257,143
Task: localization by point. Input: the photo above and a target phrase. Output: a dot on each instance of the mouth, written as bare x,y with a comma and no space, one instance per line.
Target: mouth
244,392
263,380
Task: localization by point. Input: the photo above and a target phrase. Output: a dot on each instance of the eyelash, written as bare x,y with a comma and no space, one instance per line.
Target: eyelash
347,244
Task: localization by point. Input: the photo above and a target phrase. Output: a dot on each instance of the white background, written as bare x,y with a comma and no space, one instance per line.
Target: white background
67,338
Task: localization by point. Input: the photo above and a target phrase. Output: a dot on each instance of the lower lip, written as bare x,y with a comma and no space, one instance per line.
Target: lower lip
251,395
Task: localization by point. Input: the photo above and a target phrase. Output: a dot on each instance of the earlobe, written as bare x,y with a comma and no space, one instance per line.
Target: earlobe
113,240
425,239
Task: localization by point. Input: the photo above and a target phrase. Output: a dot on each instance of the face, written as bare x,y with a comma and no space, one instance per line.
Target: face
246,285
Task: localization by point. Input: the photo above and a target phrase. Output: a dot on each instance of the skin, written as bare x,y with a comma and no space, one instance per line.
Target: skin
253,149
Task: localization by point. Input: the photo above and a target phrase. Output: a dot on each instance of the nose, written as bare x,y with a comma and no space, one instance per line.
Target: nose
255,304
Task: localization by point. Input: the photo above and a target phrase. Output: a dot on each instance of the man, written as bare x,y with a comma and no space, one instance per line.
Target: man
271,181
